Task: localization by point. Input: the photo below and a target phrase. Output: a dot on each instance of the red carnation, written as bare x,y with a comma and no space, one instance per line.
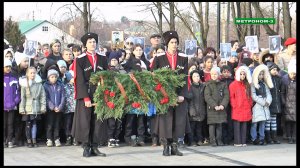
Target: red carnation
164,100
110,105
136,105
112,94
106,92
158,87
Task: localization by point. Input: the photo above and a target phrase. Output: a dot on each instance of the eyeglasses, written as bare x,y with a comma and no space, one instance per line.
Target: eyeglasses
131,43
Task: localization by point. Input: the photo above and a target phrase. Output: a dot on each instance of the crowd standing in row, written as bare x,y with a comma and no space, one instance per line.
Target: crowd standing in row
249,99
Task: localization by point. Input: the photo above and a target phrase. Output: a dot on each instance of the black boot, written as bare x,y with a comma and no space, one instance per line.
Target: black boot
96,152
268,137
166,151
154,141
174,149
86,150
140,141
274,137
69,141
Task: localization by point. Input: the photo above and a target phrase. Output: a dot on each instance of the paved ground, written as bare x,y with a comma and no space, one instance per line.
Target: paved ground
282,154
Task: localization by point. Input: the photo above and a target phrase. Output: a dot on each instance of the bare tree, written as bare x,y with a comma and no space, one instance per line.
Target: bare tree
172,15
287,20
86,15
240,30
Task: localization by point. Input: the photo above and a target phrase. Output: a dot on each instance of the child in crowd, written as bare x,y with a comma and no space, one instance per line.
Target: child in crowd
33,104
11,99
241,103
217,98
275,106
69,110
289,101
260,92
227,128
55,95
197,109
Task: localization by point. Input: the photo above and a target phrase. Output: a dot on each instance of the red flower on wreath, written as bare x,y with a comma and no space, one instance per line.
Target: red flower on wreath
136,105
158,87
106,92
111,105
164,100
112,94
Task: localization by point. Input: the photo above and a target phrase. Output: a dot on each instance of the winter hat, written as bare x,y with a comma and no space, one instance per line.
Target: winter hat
244,69
290,41
9,50
87,36
7,62
247,61
292,66
130,39
52,72
114,55
168,35
271,65
19,57
61,63
216,69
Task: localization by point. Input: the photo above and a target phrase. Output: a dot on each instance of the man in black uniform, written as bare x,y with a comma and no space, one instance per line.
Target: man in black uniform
172,125
86,127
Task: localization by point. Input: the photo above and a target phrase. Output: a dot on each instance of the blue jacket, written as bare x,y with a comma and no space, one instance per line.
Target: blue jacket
11,93
55,95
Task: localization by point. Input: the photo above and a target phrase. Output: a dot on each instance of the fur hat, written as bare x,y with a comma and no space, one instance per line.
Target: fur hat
9,50
168,35
61,63
290,41
244,69
19,57
87,36
52,72
292,66
267,77
7,62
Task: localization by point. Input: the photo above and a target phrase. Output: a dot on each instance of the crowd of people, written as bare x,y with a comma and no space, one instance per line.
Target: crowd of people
250,99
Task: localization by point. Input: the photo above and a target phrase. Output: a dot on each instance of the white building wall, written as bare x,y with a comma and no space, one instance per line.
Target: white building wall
37,34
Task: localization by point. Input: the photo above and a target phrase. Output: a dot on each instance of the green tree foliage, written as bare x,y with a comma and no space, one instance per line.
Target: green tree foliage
13,34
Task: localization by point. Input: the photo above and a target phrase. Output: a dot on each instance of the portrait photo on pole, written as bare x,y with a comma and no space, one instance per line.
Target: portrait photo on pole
30,48
225,51
274,44
252,43
140,40
117,39
190,47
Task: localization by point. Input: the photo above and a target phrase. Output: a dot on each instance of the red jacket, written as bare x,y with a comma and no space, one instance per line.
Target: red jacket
241,103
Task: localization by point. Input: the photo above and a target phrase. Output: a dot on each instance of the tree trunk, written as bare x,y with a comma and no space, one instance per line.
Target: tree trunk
287,20
160,18
251,27
85,18
172,16
257,30
272,13
269,31
278,17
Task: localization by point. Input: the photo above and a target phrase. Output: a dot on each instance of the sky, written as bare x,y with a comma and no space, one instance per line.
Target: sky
111,11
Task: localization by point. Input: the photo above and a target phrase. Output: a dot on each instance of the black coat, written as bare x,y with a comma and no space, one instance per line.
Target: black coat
275,106
84,117
174,123
196,103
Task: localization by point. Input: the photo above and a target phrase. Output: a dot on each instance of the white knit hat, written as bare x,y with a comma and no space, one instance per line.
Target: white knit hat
19,57
292,66
52,72
216,69
9,50
61,63
7,62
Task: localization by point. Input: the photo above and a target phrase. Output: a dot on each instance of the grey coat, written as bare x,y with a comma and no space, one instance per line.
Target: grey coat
260,112
289,98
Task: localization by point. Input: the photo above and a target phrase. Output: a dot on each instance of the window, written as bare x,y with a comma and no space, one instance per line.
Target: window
45,28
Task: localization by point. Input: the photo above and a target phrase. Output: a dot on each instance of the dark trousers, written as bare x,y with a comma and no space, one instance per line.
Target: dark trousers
19,129
8,125
28,129
53,124
113,128
68,121
129,126
196,131
215,132
227,129
248,135
290,127
240,131
205,129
